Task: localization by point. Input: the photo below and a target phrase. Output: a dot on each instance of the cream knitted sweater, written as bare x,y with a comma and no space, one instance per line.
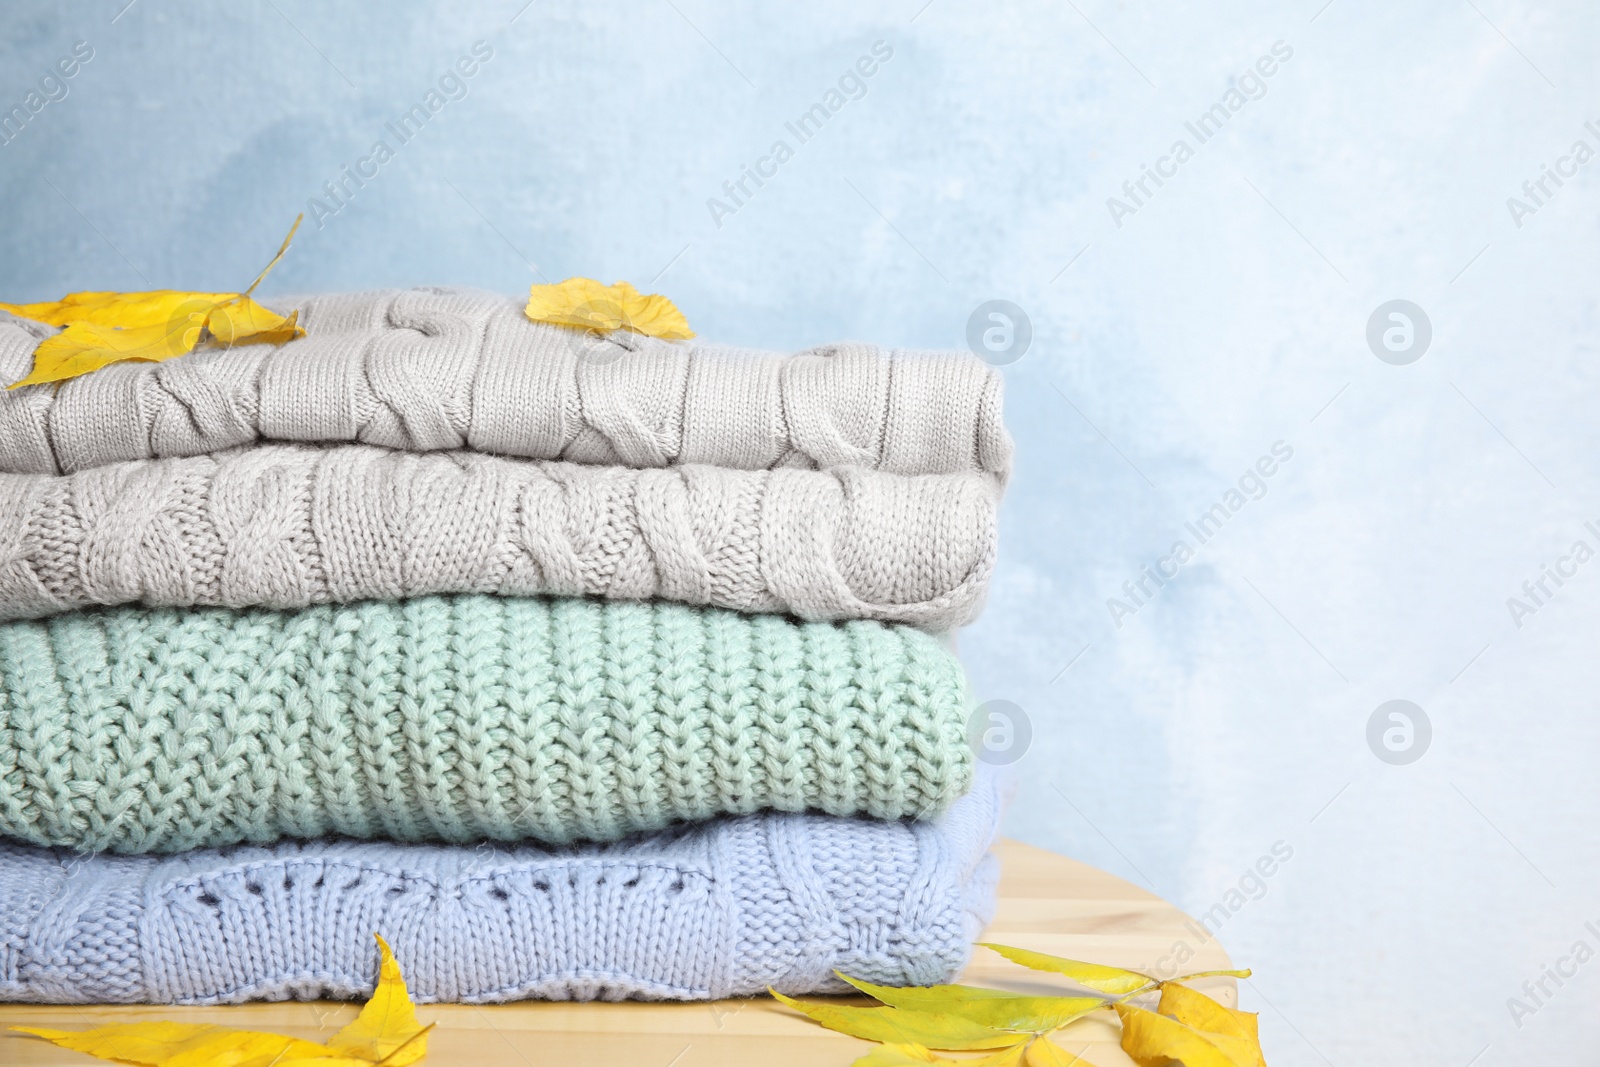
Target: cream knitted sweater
429,369
285,526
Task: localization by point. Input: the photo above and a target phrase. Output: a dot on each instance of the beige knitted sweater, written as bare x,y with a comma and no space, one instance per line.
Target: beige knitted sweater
433,369
285,526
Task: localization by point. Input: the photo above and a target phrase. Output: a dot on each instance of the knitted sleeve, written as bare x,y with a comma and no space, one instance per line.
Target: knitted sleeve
462,719
720,909
286,526
429,369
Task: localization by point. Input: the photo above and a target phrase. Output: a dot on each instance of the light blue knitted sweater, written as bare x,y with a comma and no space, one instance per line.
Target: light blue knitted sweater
717,909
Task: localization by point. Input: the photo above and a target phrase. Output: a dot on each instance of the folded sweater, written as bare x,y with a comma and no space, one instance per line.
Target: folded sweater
428,369
290,525
718,909
461,719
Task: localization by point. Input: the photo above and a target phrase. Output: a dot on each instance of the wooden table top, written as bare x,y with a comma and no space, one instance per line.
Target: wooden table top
1047,902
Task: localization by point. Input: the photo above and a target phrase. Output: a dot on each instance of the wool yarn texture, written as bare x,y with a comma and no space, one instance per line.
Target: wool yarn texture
286,526
461,719
718,909
430,369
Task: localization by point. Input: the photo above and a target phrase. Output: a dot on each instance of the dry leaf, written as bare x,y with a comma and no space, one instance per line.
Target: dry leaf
99,329
1200,1012
1153,1040
244,322
903,1056
588,305
990,1007
386,1032
901,1027
115,309
83,347
1045,1053
1189,1027
387,1021
1113,980
919,1056
169,1044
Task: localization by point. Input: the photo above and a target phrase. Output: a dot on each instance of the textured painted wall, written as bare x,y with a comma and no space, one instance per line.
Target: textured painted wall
1177,336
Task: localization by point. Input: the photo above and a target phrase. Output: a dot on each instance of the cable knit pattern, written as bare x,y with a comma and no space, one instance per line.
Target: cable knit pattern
462,719
429,369
718,909
286,526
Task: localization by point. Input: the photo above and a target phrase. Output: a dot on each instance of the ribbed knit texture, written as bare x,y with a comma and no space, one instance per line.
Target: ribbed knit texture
290,525
719,909
460,719
429,369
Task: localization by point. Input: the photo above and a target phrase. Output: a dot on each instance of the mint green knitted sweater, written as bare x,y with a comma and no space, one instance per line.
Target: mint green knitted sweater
461,718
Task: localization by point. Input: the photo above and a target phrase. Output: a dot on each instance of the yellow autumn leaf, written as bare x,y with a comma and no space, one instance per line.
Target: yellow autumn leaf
387,1021
920,1056
1153,1040
586,304
242,321
83,347
1010,1057
386,1032
901,1027
991,1007
117,309
1046,1053
1113,980
901,1056
169,1044
101,328
1200,1012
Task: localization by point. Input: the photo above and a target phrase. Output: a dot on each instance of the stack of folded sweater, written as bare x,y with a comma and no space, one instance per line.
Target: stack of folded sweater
575,668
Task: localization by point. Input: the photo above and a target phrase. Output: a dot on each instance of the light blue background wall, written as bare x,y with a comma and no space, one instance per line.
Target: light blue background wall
1227,314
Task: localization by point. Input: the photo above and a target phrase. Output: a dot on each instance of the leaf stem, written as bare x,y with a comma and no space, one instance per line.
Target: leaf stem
281,250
